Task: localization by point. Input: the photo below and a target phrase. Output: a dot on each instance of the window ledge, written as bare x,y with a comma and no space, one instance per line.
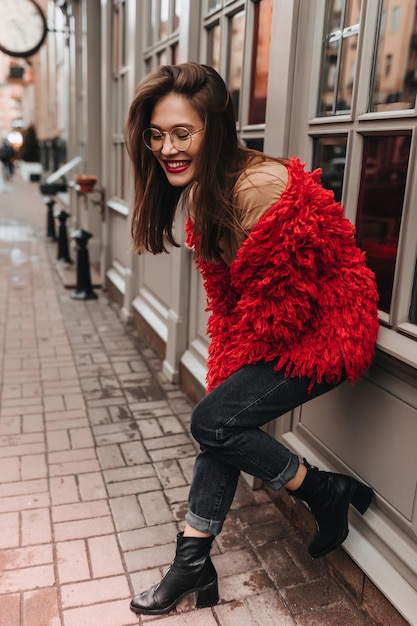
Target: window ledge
398,345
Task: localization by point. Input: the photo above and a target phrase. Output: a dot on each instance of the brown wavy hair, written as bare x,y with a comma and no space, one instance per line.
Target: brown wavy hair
222,159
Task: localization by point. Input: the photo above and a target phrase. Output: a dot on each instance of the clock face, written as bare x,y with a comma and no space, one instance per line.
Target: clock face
23,27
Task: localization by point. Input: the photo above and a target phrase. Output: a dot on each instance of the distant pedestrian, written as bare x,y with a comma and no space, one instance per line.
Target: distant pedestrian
7,156
293,308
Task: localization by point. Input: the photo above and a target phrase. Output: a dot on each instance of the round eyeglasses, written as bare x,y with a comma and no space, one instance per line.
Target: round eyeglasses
180,138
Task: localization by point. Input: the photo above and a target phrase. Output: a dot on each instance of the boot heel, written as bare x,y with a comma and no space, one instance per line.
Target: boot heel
362,497
208,597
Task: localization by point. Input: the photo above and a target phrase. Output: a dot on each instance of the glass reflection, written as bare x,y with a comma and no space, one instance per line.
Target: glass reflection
380,206
235,57
213,47
177,14
413,305
255,144
213,4
260,61
394,82
163,25
338,67
330,156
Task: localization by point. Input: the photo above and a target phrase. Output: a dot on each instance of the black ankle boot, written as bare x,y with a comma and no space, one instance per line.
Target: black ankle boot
191,571
328,495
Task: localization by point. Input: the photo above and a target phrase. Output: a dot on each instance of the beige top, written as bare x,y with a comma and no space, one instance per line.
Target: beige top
257,189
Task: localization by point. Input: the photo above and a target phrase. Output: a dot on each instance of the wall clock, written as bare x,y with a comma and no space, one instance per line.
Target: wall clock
23,27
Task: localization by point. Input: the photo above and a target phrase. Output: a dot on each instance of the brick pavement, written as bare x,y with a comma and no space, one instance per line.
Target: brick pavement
95,463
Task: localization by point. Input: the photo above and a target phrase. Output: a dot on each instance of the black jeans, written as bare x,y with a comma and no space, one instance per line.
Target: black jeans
227,425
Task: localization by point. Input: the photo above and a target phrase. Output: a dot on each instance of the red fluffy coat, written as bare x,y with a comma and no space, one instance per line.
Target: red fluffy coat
299,289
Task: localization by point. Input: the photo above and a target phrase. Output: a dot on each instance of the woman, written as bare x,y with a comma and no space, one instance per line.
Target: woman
293,307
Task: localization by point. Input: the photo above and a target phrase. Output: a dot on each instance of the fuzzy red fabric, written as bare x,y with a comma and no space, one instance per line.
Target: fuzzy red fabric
299,289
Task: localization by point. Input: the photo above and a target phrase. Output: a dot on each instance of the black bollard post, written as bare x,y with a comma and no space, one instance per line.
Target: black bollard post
50,224
63,250
84,290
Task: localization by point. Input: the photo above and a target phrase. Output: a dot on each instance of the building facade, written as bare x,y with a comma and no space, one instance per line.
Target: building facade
333,82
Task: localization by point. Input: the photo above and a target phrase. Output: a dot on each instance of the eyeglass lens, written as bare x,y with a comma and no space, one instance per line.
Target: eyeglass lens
180,138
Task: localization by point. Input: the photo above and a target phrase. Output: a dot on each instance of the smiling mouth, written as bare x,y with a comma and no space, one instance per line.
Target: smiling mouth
176,165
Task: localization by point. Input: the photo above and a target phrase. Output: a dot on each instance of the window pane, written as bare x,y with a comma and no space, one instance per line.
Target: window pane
413,307
116,38
394,80
163,26
174,53
338,66
162,57
255,144
235,56
260,61
213,47
380,206
177,14
152,34
213,4
330,156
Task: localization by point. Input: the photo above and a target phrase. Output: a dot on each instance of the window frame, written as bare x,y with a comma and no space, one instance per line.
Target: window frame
397,335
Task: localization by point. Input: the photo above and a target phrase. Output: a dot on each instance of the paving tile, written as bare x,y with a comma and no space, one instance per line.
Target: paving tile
202,617
155,508
269,610
64,489
17,558
134,453
147,537
110,457
243,585
105,556
336,615
10,610
148,558
40,608
72,561
132,472
10,470
115,613
81,529
93,591
133,487
58,440
82,510
312,595
35,526
127,514
27,578
91,486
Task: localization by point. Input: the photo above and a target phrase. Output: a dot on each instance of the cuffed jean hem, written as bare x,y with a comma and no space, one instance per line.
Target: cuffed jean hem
287,474
203,525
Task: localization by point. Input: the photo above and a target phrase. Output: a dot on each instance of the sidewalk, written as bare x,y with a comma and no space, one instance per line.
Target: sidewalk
95,463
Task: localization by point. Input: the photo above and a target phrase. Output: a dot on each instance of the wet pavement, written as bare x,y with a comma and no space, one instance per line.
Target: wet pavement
95,463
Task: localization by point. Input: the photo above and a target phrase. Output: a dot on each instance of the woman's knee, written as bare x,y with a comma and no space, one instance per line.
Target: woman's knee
203,426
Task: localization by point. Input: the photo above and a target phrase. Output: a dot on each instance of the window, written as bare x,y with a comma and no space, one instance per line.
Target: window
235,57
213,47
330,156
119,99
413,306
380,206
388,65
243,58
394,81
395,18
163,33
260,61
339,52
375,142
